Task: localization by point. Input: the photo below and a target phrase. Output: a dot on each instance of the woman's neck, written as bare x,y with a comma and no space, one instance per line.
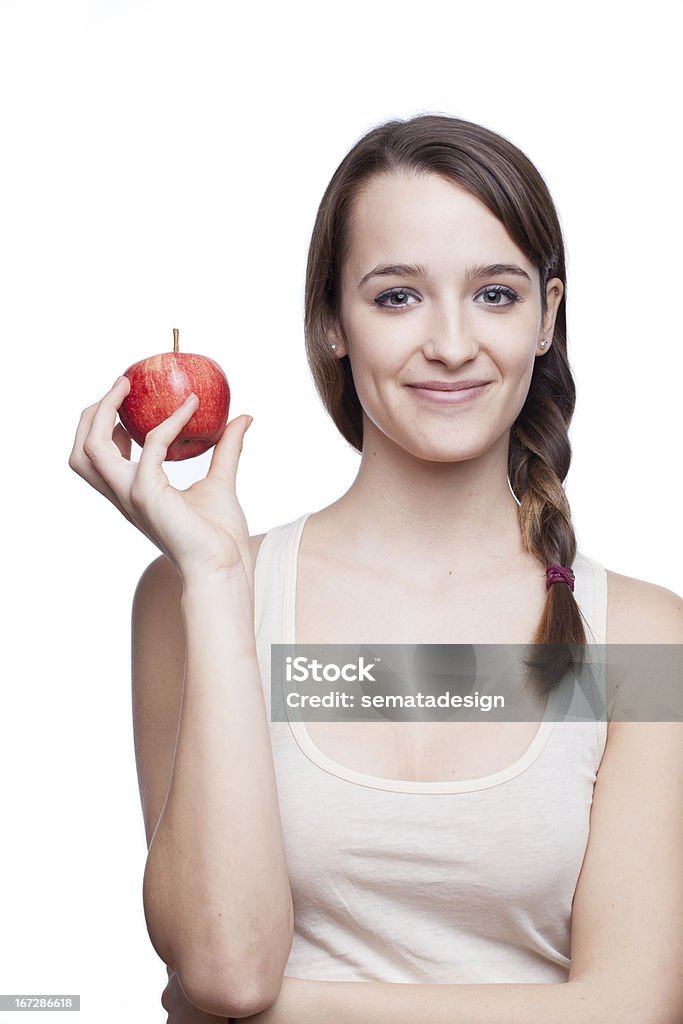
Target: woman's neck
462,515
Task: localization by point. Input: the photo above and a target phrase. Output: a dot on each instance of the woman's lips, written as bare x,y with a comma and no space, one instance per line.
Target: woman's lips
450,397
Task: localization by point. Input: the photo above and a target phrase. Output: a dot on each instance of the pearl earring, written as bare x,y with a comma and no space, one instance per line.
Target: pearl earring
542,344
333,346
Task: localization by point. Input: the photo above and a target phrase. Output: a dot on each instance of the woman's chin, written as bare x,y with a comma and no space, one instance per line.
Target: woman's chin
439,450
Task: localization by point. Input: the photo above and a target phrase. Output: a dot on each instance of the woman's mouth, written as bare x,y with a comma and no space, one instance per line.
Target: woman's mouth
448,395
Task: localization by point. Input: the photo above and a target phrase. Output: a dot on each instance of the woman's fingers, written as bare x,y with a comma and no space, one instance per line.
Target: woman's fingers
101,454
86,458
80,461
81,464
180,1010
158,440
226,454
99,445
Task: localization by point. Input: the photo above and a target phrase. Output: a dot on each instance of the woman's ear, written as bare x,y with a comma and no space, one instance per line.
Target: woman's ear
335,342
553,296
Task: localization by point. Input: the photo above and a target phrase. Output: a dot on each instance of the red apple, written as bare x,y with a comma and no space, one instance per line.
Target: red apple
160,384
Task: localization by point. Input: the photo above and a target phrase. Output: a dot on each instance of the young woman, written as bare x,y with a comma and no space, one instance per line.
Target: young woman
508,872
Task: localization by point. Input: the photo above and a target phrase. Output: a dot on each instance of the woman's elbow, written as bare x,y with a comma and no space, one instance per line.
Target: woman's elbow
211,997
226,987
248,993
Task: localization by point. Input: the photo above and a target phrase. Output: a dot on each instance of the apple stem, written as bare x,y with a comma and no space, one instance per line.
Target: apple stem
176,332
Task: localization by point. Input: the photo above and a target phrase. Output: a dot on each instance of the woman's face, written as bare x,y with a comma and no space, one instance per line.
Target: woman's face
465,306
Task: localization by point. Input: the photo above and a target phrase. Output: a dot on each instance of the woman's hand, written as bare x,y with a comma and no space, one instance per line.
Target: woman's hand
201,529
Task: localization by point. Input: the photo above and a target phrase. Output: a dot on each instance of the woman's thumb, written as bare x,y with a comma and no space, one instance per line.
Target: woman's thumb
228,448
249,421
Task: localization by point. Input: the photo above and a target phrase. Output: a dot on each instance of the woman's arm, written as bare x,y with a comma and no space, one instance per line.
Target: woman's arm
216,890
627,920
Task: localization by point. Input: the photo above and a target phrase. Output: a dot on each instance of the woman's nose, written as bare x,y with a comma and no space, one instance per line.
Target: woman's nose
448,336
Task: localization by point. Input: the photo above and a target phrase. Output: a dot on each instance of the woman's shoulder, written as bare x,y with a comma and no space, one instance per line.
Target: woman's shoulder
640,612
282,530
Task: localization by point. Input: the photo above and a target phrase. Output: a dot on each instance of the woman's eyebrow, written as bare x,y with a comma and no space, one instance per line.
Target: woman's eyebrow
419,270
395,270
495,270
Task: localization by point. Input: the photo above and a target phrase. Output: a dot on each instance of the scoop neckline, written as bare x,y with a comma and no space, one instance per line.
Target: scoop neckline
328,764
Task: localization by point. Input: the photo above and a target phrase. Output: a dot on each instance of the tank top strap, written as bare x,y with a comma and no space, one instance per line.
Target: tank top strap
273,583
591,595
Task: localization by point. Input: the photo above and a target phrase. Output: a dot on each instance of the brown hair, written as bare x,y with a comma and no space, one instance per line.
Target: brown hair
504,179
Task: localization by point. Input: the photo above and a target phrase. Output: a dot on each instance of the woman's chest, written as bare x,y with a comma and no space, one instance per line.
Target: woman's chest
360,608
446,843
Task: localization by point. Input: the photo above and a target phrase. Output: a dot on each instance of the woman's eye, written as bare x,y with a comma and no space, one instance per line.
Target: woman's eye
497,295
399,294
494,295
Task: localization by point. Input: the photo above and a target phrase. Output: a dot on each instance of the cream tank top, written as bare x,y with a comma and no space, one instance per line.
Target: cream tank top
467,881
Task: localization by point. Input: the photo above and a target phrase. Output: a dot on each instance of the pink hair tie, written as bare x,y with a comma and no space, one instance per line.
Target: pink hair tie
559,574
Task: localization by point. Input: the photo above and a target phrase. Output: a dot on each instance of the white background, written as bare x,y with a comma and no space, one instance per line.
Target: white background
161,166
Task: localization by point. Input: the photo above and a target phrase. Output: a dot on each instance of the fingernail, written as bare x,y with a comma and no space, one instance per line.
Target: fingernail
118,381
251,420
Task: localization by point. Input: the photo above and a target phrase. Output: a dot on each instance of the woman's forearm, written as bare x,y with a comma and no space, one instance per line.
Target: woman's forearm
393,1003
216,890
341,1002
